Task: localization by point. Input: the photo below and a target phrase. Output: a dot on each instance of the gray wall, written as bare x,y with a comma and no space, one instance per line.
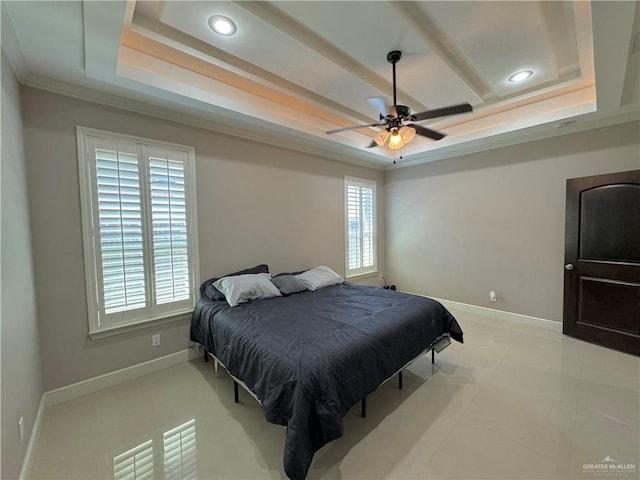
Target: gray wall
20,352
256,204
458,228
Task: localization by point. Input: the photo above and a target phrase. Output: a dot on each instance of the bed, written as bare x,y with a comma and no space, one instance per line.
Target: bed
309,357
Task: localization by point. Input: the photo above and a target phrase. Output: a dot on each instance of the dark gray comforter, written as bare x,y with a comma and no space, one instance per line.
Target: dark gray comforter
311,356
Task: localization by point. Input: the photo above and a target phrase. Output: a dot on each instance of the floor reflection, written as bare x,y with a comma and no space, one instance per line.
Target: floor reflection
180,452
179,461
135,464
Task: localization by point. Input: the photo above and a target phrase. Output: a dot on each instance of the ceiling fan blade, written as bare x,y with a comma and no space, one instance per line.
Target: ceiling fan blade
383,107
427,132
372,144
355,127
443,112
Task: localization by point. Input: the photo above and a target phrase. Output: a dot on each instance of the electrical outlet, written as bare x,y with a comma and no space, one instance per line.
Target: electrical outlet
155,340
21,428
492,296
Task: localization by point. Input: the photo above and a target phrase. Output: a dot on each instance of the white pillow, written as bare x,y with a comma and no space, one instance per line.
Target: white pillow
242,288
320,277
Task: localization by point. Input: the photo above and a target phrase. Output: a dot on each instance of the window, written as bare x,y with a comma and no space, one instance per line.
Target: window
139,228
360,227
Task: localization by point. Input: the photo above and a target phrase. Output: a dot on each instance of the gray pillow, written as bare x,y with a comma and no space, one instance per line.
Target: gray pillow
288,284
289,273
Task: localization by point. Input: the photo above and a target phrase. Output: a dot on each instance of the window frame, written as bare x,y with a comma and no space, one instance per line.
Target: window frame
98,327
360,271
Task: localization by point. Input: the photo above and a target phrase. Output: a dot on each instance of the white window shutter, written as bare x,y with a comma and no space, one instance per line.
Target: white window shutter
368,227
354,228
120,229
139,229
360,229
170,230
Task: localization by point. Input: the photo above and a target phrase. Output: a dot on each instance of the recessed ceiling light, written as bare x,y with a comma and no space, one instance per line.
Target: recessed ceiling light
520,76
222,25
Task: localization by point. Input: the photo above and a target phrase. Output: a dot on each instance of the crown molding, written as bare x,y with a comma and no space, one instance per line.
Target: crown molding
255,131
525,135
258,132
267,134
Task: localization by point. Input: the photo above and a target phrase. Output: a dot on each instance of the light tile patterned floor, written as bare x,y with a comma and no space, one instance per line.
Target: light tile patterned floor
512,402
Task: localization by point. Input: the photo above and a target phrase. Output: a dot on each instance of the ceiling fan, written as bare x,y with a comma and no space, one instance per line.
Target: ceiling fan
394,117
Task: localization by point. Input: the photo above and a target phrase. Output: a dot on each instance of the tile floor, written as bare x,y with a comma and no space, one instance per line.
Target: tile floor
512,402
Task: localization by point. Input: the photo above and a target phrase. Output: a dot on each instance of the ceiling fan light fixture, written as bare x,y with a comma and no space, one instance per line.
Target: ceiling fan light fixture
407,133
381,137
222,25
395,140
393,117
520,76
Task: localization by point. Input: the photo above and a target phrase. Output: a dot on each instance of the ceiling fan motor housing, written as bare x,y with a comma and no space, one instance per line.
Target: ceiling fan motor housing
403,113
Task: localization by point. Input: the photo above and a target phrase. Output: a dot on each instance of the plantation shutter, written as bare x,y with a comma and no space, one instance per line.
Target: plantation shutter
360,226
120,239
139,228
368,227
354,228
170,228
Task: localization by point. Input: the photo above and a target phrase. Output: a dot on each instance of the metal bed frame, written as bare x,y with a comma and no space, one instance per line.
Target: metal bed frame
440,344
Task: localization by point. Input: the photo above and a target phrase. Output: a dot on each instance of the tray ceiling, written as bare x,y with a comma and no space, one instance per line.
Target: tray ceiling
294,70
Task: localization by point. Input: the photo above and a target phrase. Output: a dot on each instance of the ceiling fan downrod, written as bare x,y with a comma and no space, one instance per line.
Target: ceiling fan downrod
394,57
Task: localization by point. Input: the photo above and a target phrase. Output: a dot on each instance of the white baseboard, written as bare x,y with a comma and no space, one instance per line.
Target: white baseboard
95,384
500,314
29,455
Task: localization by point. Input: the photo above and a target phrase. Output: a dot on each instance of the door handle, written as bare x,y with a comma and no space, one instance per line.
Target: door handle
568,266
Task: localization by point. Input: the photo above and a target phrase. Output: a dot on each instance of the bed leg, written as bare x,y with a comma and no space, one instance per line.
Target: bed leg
433,356
236,398
363,404
400,379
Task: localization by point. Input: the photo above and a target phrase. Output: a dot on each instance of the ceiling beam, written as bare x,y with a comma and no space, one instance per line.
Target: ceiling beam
102,23
283,22
439,42
560,26
177,40
631,90
612,38
154,48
